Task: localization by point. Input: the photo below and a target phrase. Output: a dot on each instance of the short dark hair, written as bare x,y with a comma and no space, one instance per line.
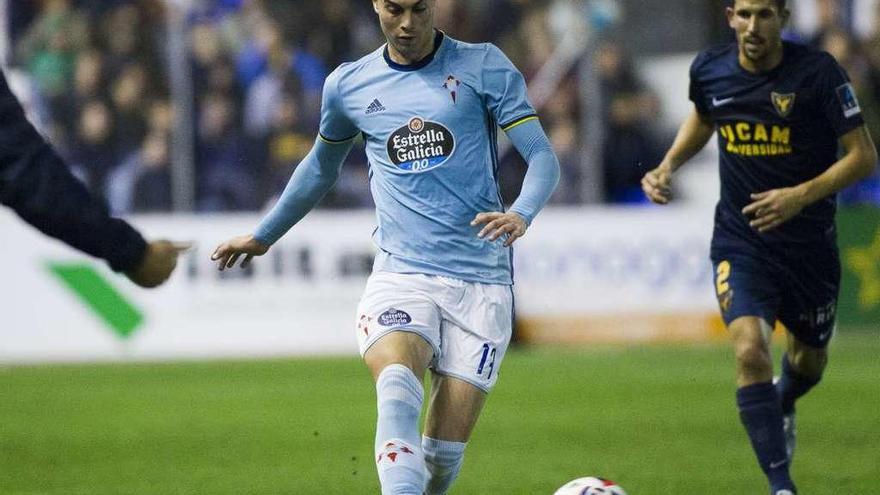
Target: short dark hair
779,4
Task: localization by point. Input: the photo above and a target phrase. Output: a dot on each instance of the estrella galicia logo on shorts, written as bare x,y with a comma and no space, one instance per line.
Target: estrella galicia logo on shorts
420,145
394,317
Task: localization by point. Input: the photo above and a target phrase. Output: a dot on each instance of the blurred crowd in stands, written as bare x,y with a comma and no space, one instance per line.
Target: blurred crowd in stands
101,70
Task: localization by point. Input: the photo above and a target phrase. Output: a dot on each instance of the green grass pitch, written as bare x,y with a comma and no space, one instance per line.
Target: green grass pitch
658,419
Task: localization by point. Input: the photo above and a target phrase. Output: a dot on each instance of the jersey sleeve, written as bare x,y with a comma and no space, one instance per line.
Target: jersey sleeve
838,98
542,175
695,89
504,90
335,127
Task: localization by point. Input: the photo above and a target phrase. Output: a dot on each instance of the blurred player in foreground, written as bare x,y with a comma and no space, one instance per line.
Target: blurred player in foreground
36,183
779,110
440,295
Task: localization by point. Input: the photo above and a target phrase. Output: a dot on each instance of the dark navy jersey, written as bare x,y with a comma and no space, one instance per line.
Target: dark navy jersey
775,129
40,188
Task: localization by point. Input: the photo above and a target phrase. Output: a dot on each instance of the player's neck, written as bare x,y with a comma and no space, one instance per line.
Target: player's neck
425,50
766,64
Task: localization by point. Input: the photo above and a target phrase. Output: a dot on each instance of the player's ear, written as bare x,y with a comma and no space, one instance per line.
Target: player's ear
376,6
729,12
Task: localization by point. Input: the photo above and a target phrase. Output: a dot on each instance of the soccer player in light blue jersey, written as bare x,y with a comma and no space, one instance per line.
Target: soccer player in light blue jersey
440,296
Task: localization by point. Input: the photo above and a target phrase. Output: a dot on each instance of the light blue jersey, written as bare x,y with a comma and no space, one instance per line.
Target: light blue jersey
430,131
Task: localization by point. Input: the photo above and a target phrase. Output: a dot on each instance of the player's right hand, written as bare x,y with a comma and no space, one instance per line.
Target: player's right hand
657,185
158,263
230,251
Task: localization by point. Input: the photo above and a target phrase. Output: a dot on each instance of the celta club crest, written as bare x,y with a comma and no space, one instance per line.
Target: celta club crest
452,85
783,103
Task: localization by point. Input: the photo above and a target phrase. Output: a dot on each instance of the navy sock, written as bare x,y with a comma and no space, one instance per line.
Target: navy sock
792,385
761,414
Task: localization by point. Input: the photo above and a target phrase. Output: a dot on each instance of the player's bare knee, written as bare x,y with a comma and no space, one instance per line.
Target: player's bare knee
754,365
810,362
751,348
753,361
377,363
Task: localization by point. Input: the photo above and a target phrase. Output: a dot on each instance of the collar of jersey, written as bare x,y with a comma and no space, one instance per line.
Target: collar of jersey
438,40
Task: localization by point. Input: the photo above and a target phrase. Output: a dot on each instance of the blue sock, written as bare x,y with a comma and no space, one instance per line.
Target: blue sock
761,414
793,385
399,458
443,459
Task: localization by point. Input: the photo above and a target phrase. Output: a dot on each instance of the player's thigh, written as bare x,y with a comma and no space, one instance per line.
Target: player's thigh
398,347
398,321
453,409
745,286
475,334
750,335
809,304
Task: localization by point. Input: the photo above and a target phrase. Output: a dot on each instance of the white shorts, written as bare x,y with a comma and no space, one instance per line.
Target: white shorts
467,323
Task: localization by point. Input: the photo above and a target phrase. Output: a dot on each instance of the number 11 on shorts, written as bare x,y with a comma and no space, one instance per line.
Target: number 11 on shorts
488,356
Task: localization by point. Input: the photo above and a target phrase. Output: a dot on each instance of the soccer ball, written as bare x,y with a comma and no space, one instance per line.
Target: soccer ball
590,486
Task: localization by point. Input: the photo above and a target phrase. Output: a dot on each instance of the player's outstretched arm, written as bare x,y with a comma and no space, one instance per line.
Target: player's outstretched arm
37,184
311,180
770,209
539,183
158,263
693,134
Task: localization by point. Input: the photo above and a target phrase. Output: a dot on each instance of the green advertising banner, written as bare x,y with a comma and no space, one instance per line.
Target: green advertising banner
97,293
859,240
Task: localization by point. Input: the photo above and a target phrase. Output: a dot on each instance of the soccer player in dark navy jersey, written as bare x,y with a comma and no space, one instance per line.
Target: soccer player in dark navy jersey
780,111
37,185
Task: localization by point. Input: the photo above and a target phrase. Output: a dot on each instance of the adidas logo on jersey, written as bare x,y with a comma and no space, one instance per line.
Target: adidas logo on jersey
374,107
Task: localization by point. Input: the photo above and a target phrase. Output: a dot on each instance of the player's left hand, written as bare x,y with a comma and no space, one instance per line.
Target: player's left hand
770,209
230,251
498,224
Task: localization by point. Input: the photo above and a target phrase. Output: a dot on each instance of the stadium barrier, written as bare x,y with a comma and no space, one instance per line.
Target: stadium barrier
617,275
299,299
582,275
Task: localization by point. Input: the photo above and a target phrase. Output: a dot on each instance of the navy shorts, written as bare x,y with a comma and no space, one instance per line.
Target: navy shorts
799,289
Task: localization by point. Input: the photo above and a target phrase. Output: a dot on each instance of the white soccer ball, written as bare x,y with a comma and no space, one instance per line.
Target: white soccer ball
590,486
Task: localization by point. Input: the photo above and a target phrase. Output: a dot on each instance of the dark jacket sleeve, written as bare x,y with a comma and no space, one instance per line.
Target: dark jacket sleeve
37,184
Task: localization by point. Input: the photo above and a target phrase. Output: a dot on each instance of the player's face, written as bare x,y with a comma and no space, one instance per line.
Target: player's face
409,27
758,25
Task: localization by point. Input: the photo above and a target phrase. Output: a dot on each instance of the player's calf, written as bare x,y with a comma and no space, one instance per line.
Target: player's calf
399,458
789,429
761,414
443,459
796,382
753,363
791,385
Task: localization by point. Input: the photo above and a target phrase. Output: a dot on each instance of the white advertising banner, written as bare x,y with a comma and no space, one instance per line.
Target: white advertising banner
617,274
298,299
581,274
